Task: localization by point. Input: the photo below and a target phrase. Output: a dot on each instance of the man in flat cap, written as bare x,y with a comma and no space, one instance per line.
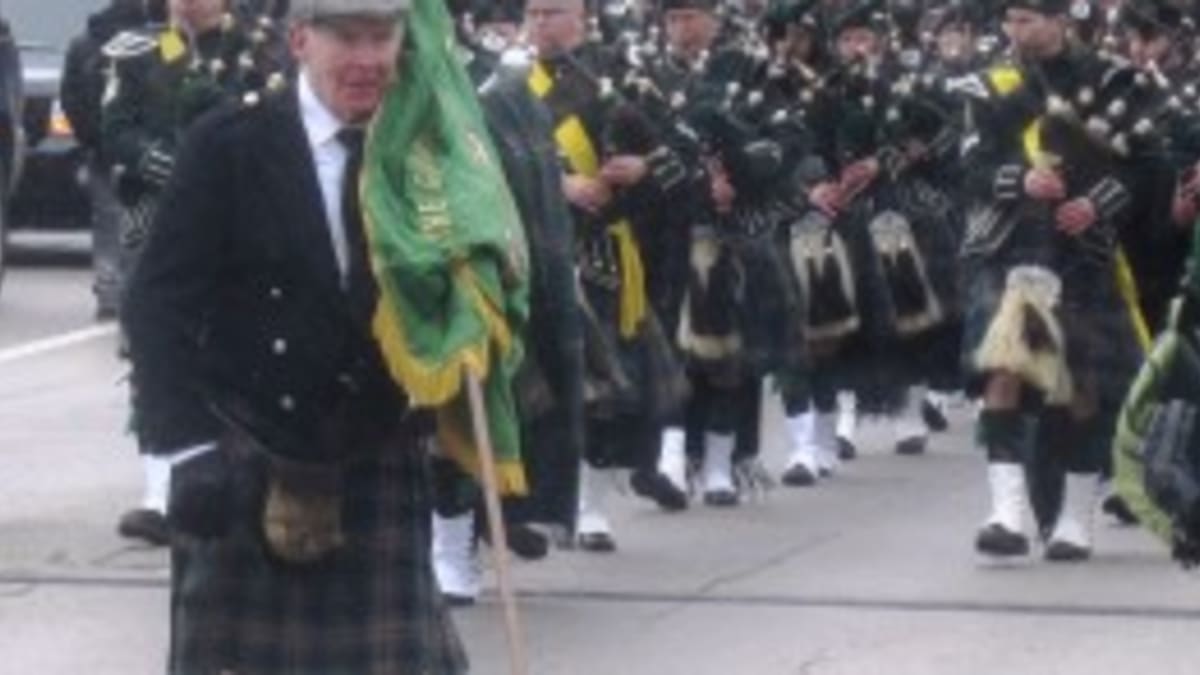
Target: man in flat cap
300,497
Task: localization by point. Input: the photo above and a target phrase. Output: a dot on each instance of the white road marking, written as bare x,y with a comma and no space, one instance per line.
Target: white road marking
52,344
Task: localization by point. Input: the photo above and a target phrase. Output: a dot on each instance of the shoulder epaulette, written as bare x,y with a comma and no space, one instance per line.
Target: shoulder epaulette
129,44
1005,78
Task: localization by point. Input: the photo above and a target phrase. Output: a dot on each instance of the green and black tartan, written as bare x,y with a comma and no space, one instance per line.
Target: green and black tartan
371,609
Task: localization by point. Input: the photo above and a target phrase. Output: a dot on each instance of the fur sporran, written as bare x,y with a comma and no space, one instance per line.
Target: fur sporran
708,330
300,527
913,304
821,263
302,511
1025,336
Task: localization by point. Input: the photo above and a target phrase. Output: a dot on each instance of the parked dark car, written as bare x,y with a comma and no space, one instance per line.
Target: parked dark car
12,134
51,190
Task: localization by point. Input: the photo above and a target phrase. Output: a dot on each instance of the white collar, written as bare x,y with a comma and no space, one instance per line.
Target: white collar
320,124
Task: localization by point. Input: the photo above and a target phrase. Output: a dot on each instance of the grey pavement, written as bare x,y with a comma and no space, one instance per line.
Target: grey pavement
870,573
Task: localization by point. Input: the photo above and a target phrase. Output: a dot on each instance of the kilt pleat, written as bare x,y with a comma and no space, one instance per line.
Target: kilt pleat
372,608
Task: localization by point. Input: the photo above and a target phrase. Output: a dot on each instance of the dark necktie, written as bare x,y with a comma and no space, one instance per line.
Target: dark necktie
360,284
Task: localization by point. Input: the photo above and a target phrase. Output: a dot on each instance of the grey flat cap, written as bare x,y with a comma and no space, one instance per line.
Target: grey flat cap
319,9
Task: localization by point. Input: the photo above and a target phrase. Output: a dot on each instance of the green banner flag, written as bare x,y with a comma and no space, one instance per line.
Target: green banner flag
447,246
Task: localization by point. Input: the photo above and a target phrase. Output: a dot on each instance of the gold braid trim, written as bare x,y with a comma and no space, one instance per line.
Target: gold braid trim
432,385
1127,286
457,445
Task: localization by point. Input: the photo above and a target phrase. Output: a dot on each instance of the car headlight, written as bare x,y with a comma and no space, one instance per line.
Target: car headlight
58,126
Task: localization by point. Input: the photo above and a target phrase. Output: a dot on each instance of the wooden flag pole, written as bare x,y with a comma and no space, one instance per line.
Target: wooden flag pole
518,659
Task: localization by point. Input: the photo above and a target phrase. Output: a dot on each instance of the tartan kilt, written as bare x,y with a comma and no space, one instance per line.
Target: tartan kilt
373,608
983,287
1103,352
770,308
751,302
878,363
930,357
656,383
622,430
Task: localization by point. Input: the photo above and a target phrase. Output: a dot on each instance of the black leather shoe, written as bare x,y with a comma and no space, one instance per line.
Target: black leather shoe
524,541
934,418
145,524
996,540
1118,508
456,601
721,498
659,489
911,447
1063,551
597,542
527,543
846,450
799,476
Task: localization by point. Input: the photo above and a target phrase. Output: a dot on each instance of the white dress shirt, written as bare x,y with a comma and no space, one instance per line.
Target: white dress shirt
322,127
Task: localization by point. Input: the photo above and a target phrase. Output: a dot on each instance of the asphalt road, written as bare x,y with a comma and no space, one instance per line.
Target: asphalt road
871,573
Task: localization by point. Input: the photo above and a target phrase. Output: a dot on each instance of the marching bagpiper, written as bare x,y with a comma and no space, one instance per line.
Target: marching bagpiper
619,177
738,322
801,64
550,385
1057,132
876,256
162,77
678,71
1160,38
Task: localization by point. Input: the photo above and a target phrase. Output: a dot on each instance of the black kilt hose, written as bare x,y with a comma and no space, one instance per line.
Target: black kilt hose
372,608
